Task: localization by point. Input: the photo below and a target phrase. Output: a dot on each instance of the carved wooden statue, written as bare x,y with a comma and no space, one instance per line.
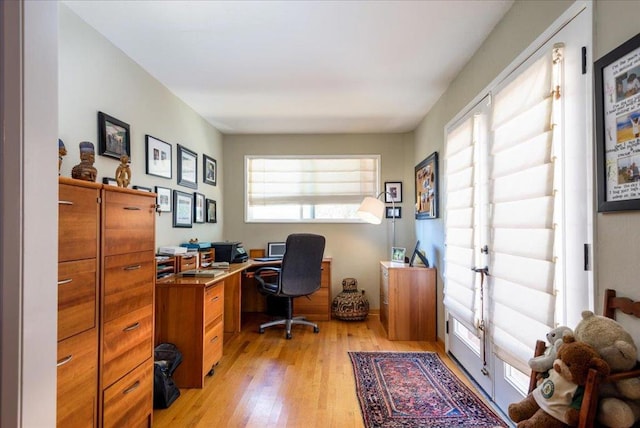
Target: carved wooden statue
62,151
85,169
123,172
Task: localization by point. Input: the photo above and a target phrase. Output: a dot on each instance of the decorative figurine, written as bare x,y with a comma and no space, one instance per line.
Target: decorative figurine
62,151
123,172
85,169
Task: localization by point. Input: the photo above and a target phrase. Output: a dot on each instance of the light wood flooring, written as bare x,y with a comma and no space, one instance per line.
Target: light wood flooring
264,380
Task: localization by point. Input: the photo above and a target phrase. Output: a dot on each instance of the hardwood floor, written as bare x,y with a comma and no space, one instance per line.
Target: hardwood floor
264,380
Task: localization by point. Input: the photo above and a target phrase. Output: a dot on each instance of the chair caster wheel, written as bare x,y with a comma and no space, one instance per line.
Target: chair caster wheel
261,330
288,336
211,372
316,329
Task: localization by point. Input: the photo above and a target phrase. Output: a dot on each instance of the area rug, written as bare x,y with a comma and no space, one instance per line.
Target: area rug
415,389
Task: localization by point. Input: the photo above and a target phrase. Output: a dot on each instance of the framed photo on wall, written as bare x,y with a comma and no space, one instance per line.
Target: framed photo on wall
391,212
393,191
209,170
113,137
163,199
158,159
212,216
426,182
182,209
187,167
617,85
198,208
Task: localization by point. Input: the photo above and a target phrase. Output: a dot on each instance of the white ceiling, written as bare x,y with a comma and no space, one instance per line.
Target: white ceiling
300,66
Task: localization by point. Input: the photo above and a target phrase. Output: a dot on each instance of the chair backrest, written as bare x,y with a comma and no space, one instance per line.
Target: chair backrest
302,264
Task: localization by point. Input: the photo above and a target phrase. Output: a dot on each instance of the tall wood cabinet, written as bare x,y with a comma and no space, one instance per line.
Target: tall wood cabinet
408,301
106,275
78,250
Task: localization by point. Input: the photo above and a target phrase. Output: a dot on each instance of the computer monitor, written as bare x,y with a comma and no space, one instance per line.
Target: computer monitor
276,249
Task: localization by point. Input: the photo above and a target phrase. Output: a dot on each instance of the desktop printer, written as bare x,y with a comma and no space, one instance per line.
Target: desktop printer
231,252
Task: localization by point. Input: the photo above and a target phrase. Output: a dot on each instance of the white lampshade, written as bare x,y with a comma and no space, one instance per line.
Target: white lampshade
371,210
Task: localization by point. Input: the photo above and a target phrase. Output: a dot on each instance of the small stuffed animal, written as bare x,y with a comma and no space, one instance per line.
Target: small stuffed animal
556,402
544,362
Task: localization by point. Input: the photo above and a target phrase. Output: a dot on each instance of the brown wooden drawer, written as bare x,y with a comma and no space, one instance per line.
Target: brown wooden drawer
78,227
127,342
129,222
188,262
213,302
213,339
129,280
78,380
129,402
76,297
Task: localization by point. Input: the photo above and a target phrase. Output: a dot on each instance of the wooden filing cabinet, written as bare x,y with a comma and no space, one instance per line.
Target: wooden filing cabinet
78,245
317,307
127,307
408,301
190,314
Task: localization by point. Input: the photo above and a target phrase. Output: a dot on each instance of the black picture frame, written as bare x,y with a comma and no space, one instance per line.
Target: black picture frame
388,212
393,191
617,97
143,188
114,137
418,254
110,181
212,215
209,170
198,207
182,209
163,199
187,167
426,184
159,157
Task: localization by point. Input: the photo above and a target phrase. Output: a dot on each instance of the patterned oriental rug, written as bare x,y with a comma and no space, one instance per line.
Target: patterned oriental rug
416,389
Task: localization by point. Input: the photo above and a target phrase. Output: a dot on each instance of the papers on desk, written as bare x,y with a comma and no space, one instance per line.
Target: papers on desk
203,272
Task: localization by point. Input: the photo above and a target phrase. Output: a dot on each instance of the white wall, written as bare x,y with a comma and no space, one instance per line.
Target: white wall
96,76
356,248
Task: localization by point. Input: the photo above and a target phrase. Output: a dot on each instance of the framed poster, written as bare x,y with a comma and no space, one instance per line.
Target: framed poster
426,180
198,208
113,137
158,159
617,85
211,211
209,170
393,191
182,209
163,199
187,167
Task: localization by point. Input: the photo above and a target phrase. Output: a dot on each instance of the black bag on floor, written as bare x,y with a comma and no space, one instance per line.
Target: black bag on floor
167,358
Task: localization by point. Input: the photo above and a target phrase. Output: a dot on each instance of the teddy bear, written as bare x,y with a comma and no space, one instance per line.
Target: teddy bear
555,402
619,404
544,362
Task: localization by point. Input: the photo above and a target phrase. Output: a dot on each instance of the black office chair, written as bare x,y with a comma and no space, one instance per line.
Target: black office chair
299,275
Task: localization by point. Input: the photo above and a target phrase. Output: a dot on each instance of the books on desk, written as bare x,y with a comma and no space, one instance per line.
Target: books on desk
203,272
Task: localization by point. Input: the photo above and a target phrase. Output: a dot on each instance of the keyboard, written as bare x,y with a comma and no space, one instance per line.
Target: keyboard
267,259
203,272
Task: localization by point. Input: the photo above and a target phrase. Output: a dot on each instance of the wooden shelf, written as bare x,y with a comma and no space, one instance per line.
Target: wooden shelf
165,266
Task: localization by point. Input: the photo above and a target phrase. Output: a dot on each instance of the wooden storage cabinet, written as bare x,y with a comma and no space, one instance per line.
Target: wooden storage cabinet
127,297
318,306
77,356
408,301
191,316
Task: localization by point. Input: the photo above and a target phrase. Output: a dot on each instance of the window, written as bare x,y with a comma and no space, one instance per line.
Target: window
308,188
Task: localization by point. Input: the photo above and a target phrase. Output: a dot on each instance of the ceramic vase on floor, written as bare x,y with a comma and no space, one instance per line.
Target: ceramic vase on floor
350,304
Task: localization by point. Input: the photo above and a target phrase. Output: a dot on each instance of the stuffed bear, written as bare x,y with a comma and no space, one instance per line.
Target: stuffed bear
544,362
555,403
619,404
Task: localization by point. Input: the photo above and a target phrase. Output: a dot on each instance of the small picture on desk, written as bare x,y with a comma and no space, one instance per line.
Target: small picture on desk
393,212
397,254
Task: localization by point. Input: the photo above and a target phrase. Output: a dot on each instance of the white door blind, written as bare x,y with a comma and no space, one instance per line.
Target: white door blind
522,185
460,292
310,180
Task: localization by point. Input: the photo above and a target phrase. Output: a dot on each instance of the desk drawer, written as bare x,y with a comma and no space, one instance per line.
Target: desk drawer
213,302
316,307
76,297
129,402
128,283
213,339
127,343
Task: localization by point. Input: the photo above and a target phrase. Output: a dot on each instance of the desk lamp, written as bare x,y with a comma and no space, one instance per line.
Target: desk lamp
372,211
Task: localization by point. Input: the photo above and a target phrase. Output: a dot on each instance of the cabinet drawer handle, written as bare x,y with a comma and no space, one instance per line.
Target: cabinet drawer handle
216,298
132,327
215,339
136,267
132,208
131,388
65,203
64,360
65,281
